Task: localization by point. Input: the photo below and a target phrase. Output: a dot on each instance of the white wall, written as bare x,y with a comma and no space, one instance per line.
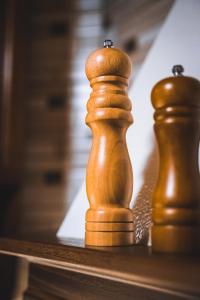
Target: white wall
177,43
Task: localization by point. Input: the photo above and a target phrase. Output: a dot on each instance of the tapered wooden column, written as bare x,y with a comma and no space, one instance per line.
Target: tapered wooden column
176,200
109,221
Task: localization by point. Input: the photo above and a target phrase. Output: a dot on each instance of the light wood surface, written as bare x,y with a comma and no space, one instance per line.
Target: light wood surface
109,172
176,199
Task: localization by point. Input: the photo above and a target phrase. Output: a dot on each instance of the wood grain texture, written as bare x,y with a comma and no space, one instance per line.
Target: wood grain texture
176,200
173,276
47,283
109,173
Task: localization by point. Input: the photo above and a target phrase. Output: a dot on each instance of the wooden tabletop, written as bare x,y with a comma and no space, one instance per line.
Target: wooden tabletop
177,275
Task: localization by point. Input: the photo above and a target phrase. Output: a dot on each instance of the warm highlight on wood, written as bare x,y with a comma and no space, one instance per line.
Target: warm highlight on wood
109,221
176,199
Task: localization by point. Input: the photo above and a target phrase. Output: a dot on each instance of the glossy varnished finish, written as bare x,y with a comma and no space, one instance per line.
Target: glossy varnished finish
109,221
176,200
133,269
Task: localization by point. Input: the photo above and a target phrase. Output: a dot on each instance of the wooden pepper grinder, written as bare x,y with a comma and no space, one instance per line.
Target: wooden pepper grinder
109,180
176,200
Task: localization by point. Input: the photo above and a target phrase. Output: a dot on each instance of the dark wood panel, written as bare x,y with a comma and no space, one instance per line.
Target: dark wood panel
47,283
136,266
13,85
7,276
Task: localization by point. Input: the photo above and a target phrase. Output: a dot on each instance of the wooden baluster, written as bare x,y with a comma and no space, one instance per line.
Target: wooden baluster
177,194
109,221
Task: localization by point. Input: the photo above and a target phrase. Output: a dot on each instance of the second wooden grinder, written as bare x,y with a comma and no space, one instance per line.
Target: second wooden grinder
109,181
176,200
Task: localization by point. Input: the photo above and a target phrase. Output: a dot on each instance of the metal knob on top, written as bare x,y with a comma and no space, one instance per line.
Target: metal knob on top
108,44
177,70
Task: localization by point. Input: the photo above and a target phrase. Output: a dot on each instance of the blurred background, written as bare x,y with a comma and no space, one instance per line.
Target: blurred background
44,142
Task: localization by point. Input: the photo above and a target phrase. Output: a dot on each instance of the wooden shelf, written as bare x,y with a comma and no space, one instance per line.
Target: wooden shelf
176,276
